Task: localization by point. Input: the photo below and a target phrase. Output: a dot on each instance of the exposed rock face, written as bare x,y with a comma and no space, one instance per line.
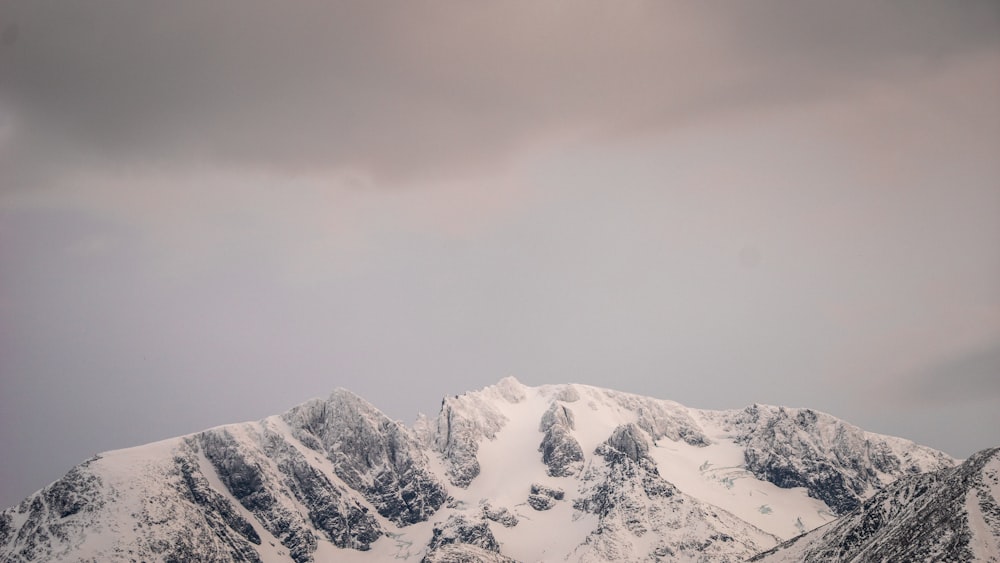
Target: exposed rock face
837,463
541,502
371,453
240,470
662,419
635,506
625,453
47,523
544,498
946,515
222,517
618,478
560,450
462,425
628,440
500,515
330,509
267,492
460,540
461,553
557,415
458,529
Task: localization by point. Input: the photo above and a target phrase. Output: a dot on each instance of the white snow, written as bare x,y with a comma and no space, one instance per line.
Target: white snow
715,474
509,414
510,464
985,542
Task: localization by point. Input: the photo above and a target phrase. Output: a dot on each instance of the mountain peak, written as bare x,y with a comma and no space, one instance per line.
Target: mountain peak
508,388
508,472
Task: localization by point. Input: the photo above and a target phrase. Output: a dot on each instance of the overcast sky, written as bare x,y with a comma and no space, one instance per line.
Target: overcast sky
212,211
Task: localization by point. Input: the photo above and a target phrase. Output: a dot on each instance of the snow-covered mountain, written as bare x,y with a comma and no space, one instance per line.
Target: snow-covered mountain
946,515
507,473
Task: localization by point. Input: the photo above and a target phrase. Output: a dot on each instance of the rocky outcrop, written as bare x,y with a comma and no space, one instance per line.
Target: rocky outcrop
372,454
500,515
221,517
243,473
462,424
543,498
627,440
461,553
662,419
458,529
946,515
561,453
331,508
52,519
336,479
635,506
837,463
461,539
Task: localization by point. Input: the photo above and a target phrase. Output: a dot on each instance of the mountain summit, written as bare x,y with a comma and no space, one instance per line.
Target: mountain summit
506,473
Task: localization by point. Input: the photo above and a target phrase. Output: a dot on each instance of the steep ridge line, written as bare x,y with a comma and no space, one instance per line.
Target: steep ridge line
509,472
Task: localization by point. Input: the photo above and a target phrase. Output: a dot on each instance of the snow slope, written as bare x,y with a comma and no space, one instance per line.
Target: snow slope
509,472
947,515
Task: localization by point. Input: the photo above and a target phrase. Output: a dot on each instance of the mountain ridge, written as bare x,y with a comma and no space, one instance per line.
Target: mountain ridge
949,514
621,476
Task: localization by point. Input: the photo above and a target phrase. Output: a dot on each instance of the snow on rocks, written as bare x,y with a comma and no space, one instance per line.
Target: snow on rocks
561,453
464,422
371,453
544,498
836,462
500,515
643,517
508,472
923,517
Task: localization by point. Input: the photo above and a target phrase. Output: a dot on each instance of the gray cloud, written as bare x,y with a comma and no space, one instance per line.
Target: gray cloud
714,203
427,88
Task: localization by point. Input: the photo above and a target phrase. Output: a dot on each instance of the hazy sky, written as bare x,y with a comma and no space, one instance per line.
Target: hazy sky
212,211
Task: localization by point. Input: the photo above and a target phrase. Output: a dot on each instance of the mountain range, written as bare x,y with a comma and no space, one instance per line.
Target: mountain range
517,473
